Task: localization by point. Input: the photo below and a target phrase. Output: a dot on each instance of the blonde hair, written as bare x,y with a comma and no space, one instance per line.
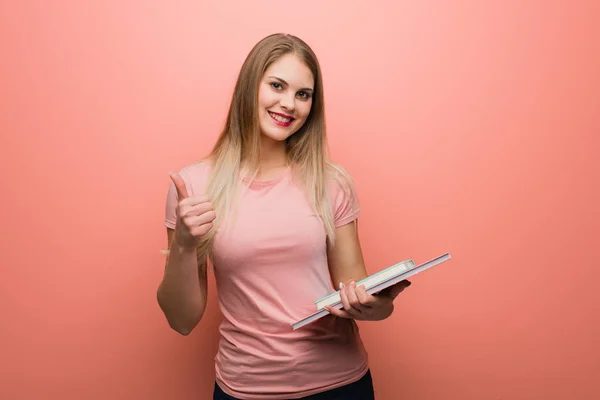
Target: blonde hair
238,145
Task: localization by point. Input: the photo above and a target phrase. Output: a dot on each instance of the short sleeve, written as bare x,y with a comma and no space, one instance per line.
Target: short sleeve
171,206
194,177
344,201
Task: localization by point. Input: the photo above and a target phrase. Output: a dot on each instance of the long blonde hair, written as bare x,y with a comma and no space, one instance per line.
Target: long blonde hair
240,139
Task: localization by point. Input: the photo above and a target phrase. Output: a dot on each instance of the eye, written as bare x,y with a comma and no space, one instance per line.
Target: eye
276,85
304,95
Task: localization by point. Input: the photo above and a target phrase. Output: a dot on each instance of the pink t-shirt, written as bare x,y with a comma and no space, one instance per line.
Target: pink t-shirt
270,267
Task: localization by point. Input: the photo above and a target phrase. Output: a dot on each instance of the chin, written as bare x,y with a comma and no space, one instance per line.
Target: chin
276,136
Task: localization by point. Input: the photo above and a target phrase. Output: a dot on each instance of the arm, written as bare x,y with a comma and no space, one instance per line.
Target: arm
346,262
347,266
182,291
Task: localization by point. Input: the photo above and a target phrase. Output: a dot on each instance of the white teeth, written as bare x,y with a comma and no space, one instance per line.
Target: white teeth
280,118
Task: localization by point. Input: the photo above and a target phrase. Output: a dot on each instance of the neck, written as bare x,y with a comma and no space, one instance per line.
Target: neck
272,154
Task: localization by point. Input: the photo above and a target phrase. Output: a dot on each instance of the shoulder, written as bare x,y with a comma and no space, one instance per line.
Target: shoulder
338,179
342,194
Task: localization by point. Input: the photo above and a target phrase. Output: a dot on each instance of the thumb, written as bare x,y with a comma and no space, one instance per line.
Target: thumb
179,185
396,289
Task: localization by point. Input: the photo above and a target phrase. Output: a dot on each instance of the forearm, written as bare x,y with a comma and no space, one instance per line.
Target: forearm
350,275
182,292
347,270
346,261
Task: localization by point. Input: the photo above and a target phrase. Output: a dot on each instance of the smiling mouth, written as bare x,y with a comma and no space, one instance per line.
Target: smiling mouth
280,119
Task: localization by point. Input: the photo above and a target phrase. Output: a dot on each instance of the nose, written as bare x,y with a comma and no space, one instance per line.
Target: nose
288,102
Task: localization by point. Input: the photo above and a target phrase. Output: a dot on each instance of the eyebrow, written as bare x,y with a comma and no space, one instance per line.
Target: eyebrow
307,89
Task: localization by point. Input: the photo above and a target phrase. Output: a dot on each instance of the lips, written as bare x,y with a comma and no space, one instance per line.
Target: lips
281,119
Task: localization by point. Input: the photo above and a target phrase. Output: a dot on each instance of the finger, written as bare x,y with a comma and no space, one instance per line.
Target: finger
365,298
198,220
345,302
201,230
196,200
338,313
353,298
398,288
187,210
343,297
179,185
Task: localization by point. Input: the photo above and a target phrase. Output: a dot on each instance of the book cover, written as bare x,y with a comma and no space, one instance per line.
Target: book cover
377,288
369,281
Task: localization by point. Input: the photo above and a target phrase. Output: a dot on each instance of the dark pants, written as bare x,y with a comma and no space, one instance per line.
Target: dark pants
359,390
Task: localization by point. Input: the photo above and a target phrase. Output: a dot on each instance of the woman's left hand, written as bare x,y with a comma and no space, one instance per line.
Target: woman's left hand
360,305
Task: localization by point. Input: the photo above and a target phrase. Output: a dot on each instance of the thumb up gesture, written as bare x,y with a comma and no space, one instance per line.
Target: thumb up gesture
195,215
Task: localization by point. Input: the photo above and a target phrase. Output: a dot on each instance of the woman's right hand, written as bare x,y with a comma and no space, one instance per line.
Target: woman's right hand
195,216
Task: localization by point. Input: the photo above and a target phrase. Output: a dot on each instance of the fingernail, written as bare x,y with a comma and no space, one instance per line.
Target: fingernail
341,285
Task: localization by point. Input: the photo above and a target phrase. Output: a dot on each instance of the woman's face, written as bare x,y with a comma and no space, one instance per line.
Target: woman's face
284,97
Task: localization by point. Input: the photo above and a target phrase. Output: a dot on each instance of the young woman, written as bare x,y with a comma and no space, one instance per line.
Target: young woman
278,221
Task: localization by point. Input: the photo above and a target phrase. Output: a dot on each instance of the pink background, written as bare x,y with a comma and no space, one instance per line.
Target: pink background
470,127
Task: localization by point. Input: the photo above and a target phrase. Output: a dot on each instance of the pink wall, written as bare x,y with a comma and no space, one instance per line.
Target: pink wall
470,129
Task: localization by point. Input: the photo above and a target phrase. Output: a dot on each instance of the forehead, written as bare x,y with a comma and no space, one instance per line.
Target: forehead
292,70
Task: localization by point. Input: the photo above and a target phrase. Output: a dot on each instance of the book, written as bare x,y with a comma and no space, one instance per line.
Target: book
369,282
320,313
